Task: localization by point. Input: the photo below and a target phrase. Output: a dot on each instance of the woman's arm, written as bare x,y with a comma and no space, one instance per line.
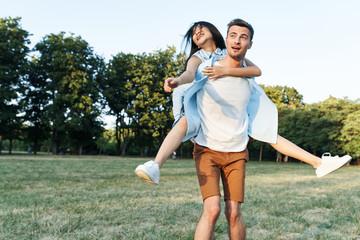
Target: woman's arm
186,77
218,71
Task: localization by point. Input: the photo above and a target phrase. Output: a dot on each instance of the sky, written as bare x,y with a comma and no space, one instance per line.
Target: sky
311,45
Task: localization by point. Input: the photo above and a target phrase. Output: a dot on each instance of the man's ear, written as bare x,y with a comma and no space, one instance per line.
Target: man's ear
250,45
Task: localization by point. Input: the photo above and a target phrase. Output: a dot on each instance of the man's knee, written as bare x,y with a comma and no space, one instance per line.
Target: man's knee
212,209
233,213
212,212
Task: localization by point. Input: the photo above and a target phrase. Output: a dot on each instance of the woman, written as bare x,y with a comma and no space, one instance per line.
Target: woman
207,43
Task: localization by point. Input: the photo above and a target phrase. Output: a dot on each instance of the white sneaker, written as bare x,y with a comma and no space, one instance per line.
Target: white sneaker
329,164
149,171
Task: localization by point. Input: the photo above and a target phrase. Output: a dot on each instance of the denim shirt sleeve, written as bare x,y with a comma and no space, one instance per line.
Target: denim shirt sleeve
178,99
262,112
190,103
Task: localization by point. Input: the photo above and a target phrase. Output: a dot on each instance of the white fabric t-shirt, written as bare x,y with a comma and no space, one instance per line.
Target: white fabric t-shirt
222,106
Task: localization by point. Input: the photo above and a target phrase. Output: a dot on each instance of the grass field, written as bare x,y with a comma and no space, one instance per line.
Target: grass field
48,197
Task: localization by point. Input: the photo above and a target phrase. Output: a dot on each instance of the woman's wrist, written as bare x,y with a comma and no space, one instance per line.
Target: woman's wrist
179,80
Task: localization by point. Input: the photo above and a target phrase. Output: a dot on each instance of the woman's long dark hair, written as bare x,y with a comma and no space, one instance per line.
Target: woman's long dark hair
188,38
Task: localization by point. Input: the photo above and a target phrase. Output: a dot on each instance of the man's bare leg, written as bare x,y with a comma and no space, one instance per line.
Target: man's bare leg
205,228
236,226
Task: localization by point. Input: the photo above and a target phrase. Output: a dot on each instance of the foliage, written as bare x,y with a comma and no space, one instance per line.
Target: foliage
35,104
71,70
281,95
117,97
13,51
287,100
337,110
134,93
151,109
54,95
350,134
328,126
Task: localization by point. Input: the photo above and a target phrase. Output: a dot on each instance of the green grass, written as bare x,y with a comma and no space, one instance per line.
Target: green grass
46,197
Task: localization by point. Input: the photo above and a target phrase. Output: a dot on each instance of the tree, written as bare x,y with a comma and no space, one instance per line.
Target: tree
336,111
134,92
328,126
306,129
117,97
35,104
351,134
281,95
13,51
84,96
71,70
151,108
287,99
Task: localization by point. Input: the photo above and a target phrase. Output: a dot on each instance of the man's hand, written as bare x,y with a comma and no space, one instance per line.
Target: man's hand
171,83
214,72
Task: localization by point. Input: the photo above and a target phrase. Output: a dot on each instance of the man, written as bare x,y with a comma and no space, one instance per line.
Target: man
221,144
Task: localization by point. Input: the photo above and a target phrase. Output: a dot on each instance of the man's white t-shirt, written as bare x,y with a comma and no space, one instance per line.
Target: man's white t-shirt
222,106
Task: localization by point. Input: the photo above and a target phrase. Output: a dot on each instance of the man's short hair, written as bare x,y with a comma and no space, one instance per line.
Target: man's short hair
241,23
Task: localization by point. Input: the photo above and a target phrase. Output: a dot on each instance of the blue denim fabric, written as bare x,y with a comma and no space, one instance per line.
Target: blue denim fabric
263,117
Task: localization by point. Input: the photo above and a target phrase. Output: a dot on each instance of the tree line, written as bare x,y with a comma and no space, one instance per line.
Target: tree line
52,98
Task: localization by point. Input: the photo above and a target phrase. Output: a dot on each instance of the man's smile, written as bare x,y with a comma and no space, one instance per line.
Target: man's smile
235,48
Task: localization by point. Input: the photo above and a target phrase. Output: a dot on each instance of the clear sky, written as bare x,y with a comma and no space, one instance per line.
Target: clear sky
312,45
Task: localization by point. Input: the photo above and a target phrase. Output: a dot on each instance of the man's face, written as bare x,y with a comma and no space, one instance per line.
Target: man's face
238,42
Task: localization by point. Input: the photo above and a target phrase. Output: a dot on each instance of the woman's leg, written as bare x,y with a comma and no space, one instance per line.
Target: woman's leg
324,165
288,148
171,142
150,171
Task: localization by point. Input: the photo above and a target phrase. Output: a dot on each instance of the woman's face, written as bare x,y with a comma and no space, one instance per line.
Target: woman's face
201,35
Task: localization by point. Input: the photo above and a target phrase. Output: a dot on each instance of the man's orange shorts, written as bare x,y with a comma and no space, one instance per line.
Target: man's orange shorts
210,165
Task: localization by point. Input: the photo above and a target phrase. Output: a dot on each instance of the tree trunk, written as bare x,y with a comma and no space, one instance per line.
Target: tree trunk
125,136
181,151
261,151
357,161
118,140
80,149
0,144
141,151
11,145
55,142
278,157
123,147
35,147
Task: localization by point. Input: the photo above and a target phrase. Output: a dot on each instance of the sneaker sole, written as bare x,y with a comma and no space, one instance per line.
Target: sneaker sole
347,161
143,175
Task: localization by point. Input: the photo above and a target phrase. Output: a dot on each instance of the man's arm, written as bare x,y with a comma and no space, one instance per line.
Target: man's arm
186,77
218,71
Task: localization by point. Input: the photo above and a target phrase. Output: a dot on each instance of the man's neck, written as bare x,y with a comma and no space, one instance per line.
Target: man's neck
231,62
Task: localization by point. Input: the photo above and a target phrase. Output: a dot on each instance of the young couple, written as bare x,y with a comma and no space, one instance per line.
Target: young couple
222,108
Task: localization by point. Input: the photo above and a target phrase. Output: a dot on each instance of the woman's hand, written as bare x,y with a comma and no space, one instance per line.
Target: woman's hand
170,83
214,72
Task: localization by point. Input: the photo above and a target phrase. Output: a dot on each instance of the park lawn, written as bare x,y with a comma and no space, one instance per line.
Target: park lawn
67,197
